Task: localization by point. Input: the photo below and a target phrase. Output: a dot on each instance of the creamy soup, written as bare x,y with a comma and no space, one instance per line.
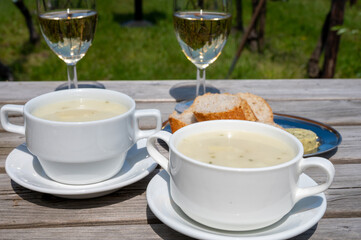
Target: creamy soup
80,110
236,149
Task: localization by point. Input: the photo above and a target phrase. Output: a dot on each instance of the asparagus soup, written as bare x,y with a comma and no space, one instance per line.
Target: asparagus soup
238,149
80,110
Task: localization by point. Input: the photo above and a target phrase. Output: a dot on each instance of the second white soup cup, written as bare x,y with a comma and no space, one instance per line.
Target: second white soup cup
236,198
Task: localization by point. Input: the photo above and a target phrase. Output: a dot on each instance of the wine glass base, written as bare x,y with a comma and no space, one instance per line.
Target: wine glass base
65,86
187,90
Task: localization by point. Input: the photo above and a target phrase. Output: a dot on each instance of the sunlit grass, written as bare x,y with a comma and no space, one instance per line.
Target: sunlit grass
118,53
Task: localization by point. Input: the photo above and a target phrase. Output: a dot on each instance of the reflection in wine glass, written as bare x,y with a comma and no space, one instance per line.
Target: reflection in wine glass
202,28
68,28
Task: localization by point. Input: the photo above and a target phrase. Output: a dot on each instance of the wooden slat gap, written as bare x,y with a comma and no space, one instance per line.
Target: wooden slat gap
346,124
342,188
10,101
79,224
342,215
345,161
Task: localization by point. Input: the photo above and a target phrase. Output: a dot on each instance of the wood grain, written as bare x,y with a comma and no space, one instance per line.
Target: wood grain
290,89
25,208
336,228
124,214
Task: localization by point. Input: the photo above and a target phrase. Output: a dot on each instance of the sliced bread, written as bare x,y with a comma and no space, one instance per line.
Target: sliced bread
177,120
222,106
244,106
259,106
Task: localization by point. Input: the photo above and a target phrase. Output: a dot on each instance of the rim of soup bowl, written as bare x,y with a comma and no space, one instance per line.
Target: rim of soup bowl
69,92
297,157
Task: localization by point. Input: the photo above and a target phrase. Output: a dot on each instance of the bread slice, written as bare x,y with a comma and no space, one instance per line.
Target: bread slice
243,106
222,106
177,121
259,106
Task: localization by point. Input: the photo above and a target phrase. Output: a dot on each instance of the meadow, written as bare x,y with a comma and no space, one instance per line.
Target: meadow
152,53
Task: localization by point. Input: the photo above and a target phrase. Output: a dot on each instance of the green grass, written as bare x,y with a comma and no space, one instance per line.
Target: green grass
121,53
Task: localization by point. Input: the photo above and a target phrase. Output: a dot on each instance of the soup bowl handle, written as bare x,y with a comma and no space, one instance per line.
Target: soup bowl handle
153,151
4,117
317,162
139,134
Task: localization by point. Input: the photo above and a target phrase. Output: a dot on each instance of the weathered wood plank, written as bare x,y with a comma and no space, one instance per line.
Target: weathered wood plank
346,176
124,232
346,185
336,228
8,139
332,112
124,214
272,89
291,89
23,208
349,149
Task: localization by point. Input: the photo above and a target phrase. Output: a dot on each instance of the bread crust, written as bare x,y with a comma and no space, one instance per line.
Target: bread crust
175,123
229,107
177,120
260,107
241,106
242,112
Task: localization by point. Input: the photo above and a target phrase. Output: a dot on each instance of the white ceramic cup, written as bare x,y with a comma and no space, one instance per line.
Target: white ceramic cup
236,198
80,152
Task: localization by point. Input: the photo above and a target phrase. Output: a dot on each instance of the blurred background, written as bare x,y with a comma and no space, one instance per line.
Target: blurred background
291,32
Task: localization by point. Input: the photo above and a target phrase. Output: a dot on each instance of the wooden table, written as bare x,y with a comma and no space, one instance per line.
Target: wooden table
25,214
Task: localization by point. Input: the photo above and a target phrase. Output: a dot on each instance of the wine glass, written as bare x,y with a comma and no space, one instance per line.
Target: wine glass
68,27
202,28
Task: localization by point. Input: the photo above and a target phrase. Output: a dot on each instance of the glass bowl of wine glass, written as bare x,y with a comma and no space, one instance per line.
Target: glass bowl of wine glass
202,28
68,28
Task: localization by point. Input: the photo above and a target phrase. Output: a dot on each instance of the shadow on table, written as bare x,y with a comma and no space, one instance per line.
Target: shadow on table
306,235
163,230
166,232
301,206
154,17
187,90
47,200
329,154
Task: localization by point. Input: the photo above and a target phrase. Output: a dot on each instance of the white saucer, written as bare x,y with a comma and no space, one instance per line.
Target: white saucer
305,214
24,168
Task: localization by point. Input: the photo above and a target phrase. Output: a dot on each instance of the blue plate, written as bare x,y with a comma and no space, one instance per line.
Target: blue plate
328,137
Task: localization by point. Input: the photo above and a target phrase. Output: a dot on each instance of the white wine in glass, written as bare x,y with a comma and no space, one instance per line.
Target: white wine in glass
68,27
202,28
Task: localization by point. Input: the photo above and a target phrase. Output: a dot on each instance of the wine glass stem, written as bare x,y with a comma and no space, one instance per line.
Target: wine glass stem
72,76
201,82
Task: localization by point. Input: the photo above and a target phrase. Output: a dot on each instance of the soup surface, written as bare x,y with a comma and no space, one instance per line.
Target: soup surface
238,149
80,110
